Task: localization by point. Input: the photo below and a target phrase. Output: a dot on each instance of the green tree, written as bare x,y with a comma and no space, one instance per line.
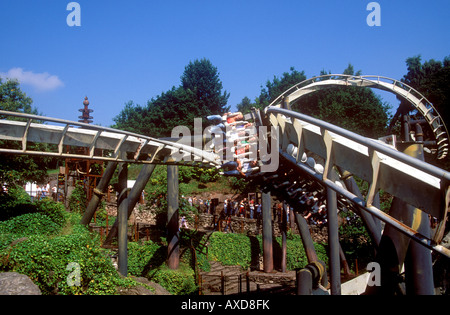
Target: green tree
432,79
199,95
245,105
13,99
276,87
353,108
356,109
201,79
20,168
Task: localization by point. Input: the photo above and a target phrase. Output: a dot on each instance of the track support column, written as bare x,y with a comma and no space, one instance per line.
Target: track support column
333,242
173,259
122,217
101,189
133,197
419,266
267,232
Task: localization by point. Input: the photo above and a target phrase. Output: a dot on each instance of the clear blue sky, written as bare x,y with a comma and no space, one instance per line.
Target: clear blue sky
134,50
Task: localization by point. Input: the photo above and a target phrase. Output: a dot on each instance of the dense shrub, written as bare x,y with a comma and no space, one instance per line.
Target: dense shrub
15,203
295,252
78,200
178,282
230,249
243,250
142,257
148,259
54,210
30,224
45,261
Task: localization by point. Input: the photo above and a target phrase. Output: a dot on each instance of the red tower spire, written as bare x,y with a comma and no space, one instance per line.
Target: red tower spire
85,112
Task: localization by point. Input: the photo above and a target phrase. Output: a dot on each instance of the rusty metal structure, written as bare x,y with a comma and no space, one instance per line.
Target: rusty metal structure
314,156
86,112
86,171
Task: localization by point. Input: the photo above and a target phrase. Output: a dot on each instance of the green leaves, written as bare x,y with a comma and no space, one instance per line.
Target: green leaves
243,250
199,95
30,224
78,199
230,249
43,242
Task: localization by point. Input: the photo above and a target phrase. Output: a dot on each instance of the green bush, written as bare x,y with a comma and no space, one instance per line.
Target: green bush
15,203
242,250
145,256
54,210
78,199
295,252
30,224
45,261
230,249
178,282
41,241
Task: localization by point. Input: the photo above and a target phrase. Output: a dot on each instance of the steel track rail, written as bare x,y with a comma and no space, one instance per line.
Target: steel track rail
96,137
377,163
414,97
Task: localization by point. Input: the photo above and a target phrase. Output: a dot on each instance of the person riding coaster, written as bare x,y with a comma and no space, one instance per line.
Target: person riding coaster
240,168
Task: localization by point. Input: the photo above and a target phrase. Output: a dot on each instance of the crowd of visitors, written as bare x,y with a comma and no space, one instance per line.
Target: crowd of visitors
39,192
243,208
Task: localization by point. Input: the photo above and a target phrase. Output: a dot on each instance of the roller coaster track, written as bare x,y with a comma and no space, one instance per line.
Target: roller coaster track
380,165
423,106
102,143
339,153
375,162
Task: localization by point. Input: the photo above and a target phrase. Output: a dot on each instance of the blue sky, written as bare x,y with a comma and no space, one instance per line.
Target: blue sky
134,50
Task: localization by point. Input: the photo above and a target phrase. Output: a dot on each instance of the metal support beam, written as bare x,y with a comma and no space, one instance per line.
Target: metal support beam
418,265
304,282
307,241
173,259
396,249
101,189
283,236
133,197
123,219
333,243
267,232
372,223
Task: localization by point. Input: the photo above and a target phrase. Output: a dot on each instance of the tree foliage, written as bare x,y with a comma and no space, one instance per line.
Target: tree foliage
201,79
356,109
272,90
19,169
199,95
432,79
13,99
